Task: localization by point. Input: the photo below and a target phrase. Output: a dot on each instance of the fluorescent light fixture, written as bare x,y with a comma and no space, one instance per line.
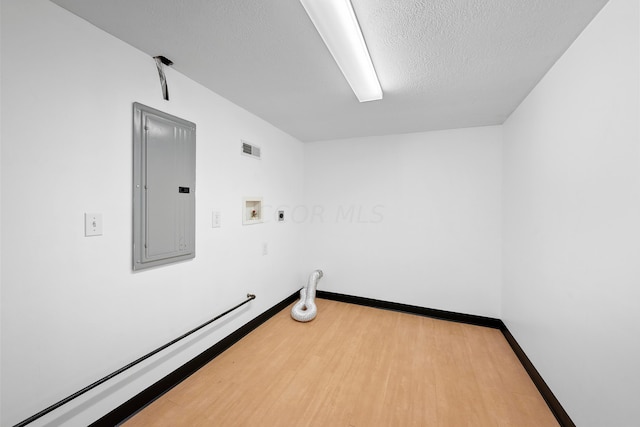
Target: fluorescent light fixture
338,26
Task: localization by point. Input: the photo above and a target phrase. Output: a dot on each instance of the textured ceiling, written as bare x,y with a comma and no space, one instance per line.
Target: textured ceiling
441,63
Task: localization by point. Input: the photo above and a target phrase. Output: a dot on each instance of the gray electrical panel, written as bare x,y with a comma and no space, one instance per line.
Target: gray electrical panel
164,184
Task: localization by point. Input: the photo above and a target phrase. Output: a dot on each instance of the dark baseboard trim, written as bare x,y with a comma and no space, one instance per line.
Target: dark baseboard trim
142,399
470,319
136,403
552,402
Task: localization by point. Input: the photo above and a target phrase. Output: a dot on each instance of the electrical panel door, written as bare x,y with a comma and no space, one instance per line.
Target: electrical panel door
163,188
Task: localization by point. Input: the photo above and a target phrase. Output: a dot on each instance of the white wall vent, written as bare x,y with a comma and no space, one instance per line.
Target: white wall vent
250,150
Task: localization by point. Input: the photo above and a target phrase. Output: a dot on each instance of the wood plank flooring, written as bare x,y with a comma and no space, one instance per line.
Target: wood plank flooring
357,366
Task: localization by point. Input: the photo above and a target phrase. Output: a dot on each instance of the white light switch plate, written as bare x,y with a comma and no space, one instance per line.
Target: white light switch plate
92,224
215,219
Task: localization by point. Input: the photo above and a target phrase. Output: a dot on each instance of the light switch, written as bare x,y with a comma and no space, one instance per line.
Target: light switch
215,219
92,224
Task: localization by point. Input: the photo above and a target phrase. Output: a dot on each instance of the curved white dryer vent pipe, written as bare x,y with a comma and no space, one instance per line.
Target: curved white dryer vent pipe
305,310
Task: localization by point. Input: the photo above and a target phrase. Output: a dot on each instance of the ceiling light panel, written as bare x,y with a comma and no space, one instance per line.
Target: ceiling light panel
338,26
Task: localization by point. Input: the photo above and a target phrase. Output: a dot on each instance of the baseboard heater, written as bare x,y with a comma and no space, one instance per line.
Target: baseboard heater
130,365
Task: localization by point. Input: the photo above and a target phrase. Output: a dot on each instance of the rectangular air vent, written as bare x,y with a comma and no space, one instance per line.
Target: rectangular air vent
250,150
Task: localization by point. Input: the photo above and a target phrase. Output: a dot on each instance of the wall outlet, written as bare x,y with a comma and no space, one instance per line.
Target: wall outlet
215,219
265,249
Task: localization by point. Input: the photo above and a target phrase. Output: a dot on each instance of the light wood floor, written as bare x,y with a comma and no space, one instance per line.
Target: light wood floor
356,366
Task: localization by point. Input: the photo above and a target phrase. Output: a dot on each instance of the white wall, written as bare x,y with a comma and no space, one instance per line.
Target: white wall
0,210
571,293
72,309
411,218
